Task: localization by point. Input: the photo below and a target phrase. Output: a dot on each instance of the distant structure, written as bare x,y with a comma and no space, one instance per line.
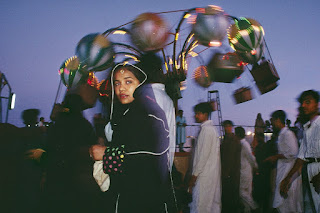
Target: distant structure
5,86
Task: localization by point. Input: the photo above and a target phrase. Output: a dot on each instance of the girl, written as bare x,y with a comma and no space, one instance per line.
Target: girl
139,165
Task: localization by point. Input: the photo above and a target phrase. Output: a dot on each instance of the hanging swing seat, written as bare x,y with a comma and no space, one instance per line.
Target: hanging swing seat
242,94
225,68
265,74
264,88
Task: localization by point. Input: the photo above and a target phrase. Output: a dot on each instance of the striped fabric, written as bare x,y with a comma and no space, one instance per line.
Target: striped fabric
95,52
246,38
252,56
70,72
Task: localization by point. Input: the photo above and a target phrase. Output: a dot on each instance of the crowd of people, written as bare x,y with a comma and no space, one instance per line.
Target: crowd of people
278,175
126,164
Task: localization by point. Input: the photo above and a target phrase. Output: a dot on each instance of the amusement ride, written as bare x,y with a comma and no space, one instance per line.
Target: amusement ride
239,45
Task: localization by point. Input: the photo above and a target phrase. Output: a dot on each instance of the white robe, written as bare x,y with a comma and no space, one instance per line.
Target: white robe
310,148
206,195
288,146
166,104
248,162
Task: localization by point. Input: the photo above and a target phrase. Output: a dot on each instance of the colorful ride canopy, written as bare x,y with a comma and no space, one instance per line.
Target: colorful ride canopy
71,73
246,38
95,52
211,26
253,56
149,32
201,76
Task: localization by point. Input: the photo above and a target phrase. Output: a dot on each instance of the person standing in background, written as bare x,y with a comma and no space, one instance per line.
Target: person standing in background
41,122
259,125
205,182
69,185
287,152
248,166
181,130
30,167
230,169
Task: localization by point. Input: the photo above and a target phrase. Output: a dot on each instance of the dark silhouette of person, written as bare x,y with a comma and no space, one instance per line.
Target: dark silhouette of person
70,186
30,167
230,169
262,180
9,138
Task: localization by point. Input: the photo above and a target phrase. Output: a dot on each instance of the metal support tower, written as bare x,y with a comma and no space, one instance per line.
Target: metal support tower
4,83
217,100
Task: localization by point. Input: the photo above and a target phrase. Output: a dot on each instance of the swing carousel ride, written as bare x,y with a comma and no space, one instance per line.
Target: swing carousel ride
239,43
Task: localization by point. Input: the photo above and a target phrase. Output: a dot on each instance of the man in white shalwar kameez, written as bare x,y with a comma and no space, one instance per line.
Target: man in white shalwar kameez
248,164
287,152
309,154
205,182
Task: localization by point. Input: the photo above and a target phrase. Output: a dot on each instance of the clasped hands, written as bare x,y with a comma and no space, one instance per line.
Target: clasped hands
97,151
34,154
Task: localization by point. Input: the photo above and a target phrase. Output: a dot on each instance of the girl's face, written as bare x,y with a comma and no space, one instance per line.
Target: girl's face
125,84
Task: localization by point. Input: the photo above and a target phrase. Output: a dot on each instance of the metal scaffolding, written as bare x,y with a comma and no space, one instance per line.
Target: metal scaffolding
9,96
216,100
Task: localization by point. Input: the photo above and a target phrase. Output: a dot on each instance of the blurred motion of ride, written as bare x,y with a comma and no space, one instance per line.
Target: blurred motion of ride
71,72
225,67
201,76
211,26
242,94
238,45
95,52
265,76
149,32
246,38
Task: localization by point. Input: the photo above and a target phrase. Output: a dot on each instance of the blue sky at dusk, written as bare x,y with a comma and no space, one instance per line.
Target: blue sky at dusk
37,36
